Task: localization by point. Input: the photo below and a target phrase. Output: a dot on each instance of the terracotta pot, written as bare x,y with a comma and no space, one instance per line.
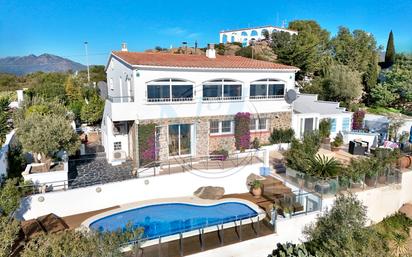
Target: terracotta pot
370,181
405,162
257,192
326,140
356,185
334,149
382,179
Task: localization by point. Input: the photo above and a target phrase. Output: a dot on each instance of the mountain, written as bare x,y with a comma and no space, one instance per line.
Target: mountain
32,63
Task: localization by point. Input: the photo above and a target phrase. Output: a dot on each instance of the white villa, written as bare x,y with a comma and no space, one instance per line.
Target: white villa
308,111
246,35
192,99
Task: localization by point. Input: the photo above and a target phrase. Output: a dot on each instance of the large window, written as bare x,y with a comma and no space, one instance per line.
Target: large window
258,124
167,90
221,127
346,124
267,88
222,89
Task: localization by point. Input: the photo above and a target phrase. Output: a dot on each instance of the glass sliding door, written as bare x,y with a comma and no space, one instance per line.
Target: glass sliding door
184,139
179,139
174,140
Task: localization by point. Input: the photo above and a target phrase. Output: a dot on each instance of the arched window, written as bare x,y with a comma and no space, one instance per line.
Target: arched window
244,42
253,33
244,34
169,90
224,39
267,88
222,89
264,32
232,39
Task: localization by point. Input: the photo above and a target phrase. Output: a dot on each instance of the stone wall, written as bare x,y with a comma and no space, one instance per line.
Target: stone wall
206,143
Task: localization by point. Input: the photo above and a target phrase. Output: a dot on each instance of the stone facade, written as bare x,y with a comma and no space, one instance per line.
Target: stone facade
206,143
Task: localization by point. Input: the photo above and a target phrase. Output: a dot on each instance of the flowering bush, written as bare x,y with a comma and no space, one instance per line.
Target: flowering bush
242,132
357,123
147,143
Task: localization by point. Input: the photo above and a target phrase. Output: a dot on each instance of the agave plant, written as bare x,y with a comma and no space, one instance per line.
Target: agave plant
324,167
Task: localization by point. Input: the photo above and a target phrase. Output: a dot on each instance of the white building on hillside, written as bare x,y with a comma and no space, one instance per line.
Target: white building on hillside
308,111
246,35
191,100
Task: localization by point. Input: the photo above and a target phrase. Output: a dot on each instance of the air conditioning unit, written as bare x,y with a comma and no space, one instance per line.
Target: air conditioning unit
119,155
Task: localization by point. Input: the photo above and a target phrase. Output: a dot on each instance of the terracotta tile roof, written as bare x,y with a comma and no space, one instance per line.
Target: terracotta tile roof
197,61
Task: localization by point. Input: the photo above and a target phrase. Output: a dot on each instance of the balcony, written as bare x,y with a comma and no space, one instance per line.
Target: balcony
121,99
222,98
266,97
168,99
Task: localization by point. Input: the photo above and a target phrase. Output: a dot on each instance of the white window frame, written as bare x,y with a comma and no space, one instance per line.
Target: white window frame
257,124
222,83
170,82
267,82
111,84
220,131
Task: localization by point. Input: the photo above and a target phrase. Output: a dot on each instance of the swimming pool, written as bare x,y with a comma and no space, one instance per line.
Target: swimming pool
167,219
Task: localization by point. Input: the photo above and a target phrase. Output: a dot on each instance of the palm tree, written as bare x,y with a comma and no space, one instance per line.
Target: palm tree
324,167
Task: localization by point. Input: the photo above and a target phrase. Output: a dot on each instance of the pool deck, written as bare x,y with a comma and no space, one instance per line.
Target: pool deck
211,240
74,221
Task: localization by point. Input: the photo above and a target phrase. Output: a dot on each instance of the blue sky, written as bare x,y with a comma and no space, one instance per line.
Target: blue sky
60,27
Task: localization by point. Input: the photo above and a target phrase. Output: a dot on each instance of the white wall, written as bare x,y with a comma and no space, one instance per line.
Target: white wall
87,199
4,150
238,37
380,202
141,109
339,122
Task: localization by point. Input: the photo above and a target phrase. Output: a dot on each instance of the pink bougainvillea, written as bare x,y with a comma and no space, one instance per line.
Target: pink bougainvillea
358,117
242,131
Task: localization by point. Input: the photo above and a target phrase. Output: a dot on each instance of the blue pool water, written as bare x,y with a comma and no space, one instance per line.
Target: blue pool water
173,218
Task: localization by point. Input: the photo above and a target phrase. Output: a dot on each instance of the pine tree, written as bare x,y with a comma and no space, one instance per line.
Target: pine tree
390,51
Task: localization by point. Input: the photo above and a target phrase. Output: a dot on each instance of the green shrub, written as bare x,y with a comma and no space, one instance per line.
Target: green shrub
256,143
281,136
338,141
325,126
300,154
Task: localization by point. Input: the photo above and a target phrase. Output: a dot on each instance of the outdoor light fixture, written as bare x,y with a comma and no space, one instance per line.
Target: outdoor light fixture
98,189
40,199
146,182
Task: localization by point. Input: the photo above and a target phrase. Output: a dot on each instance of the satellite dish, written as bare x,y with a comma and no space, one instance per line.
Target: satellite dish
291,96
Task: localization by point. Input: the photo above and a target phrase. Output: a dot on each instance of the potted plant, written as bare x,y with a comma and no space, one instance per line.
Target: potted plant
288,211
375,167
256,187
325,126
219,155
256,143
355,171
337,143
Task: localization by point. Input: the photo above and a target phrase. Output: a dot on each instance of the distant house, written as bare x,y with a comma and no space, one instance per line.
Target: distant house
247,35
192,99
308,111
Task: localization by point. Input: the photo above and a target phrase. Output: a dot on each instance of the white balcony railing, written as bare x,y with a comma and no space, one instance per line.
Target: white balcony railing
168,99
260,97
222,98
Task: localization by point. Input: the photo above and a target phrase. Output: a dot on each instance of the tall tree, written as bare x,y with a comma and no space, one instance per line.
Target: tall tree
46,135
304,50
341,84
390,51
341,231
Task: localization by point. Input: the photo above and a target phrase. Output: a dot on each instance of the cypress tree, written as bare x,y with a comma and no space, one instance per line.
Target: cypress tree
390,51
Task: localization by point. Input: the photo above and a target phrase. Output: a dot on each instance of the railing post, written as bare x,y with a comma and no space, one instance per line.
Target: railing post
181,244
306,205
160,247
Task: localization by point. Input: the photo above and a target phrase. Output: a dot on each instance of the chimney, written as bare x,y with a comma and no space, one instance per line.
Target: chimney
124,47
211,52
